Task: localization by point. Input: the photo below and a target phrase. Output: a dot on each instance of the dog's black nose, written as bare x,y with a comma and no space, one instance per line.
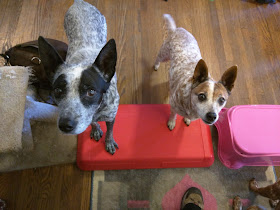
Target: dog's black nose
66,125
211,116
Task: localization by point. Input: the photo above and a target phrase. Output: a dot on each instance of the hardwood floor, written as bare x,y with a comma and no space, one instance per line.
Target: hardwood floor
228,32
57,187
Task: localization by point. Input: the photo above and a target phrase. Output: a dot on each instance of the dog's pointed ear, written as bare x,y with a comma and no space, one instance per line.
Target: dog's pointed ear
49,57
200,73
229,78
107,59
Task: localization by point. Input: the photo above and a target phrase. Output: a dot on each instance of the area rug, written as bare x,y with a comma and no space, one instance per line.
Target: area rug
163,188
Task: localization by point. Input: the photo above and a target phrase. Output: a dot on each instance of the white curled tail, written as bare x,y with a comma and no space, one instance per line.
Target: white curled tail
170,25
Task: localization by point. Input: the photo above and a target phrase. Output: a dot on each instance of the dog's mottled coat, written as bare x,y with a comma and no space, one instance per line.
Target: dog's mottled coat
86,31
188,73
85,43
271,191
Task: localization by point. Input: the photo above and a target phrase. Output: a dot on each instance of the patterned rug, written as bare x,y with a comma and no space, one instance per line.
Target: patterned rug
163,188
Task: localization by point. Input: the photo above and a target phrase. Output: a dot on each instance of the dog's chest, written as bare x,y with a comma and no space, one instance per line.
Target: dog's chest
110,102
180,83
180,97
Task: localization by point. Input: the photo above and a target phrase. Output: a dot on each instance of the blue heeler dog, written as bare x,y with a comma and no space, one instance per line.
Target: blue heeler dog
85,85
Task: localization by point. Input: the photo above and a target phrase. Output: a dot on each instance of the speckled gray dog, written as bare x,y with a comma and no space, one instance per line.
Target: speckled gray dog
85,85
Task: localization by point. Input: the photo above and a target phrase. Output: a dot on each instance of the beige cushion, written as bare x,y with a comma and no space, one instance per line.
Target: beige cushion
13,88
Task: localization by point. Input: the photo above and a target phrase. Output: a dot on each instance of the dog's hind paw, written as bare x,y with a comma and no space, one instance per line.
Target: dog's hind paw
96,133
156,66
171,124
111,146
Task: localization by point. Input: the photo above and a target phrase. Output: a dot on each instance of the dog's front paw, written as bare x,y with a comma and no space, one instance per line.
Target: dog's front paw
111,145
96,133
171,124
237,203
187,121
253,185
273,203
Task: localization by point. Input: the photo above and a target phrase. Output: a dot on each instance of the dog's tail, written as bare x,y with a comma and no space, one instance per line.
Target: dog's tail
170,25
78,1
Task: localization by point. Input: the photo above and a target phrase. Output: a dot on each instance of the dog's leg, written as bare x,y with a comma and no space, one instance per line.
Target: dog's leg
163,55
278,206
187,121
109,140
254,208
237,204
96,131
270,191
172,120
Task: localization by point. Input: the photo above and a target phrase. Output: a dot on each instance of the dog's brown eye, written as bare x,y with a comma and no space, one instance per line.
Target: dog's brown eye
90,92
202,97
222,100
57,92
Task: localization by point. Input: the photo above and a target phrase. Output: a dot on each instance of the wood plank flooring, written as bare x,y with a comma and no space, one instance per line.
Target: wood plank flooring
57,187
228,32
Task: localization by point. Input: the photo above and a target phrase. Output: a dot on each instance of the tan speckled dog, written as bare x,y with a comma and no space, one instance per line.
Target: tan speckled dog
193,93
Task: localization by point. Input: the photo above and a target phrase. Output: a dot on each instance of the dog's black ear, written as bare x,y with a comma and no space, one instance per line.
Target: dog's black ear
107,59
49,57
229,78
200,73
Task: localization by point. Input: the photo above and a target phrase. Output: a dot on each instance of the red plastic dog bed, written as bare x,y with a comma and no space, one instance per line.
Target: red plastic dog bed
146,142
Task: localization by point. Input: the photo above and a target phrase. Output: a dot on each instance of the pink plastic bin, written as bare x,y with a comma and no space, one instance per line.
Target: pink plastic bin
249,136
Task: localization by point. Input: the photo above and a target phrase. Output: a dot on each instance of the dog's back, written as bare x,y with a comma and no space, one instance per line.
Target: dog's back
183,46
87,39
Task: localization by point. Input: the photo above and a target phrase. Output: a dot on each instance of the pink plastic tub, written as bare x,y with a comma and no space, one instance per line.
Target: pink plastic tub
249,136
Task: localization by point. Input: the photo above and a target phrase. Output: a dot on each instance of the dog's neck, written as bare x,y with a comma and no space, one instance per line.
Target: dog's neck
180,97
83,55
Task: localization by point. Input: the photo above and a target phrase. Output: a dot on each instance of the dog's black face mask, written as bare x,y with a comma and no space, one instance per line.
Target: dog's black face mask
77,89
95,80
60,88
92,87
